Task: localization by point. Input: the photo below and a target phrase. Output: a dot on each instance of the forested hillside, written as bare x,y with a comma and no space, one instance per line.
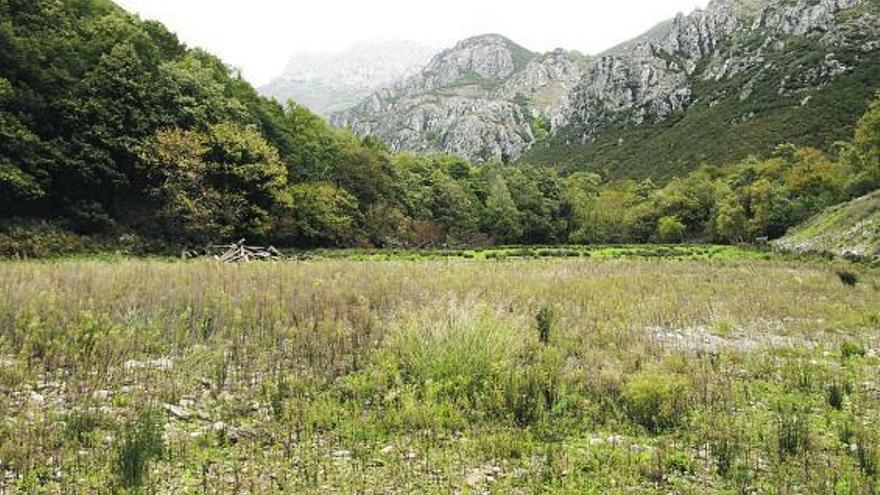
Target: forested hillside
114,133
109,124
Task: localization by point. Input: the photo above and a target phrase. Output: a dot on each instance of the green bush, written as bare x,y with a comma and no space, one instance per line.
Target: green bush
670,229
523,397
657,400
848,278
867,452
544,320
458,362
40,239
793,430
140,442
78,426
851,349
531,388
835,395
726,449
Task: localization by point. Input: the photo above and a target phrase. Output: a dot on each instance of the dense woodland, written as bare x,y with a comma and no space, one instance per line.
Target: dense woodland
111,129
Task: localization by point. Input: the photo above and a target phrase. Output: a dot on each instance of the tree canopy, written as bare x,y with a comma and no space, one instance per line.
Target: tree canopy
110,126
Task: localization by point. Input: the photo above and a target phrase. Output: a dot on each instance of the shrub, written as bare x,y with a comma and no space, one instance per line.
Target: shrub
544,320
867,452
140,442
670,229
803,377
793,425
725,449
523,397
277,395
679,462
657,400
848,278
521,253
846,430
532,386
78,426
851,349
40,239
835,395
459,361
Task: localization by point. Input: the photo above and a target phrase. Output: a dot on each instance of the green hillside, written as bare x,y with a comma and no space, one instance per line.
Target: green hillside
850,229
110,126
114,135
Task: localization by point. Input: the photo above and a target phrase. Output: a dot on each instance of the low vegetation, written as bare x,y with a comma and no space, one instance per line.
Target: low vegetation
712,370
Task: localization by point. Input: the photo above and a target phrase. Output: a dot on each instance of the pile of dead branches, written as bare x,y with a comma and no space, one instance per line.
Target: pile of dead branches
235,253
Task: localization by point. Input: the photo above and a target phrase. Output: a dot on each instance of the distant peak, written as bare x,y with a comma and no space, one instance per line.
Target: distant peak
490,39
486,38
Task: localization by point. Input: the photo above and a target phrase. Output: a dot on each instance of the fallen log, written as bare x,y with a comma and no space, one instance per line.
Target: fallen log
234,253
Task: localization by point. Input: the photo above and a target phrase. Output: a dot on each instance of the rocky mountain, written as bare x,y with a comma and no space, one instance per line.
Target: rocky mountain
483,99
332,82
716,85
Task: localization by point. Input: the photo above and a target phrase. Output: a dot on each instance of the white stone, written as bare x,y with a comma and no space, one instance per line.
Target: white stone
177,411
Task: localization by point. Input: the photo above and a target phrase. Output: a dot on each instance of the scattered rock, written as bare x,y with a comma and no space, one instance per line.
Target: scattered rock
177,411
233,435
475,478
614,439
341,454
132,364
101,395
49,385
163,364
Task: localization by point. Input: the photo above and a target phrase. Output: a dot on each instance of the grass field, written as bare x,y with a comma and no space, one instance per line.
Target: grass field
732,372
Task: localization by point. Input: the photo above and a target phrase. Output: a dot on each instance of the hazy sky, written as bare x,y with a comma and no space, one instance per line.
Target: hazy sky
259,36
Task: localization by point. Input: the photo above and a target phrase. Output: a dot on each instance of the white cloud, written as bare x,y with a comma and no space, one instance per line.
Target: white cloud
259,36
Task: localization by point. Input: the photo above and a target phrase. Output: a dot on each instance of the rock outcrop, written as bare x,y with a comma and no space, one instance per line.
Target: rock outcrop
653,80
478,99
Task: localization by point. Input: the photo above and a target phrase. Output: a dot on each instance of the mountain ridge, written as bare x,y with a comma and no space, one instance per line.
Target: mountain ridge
478,99
770,57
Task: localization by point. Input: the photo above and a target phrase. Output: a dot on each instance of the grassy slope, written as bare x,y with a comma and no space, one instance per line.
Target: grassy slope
850,228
